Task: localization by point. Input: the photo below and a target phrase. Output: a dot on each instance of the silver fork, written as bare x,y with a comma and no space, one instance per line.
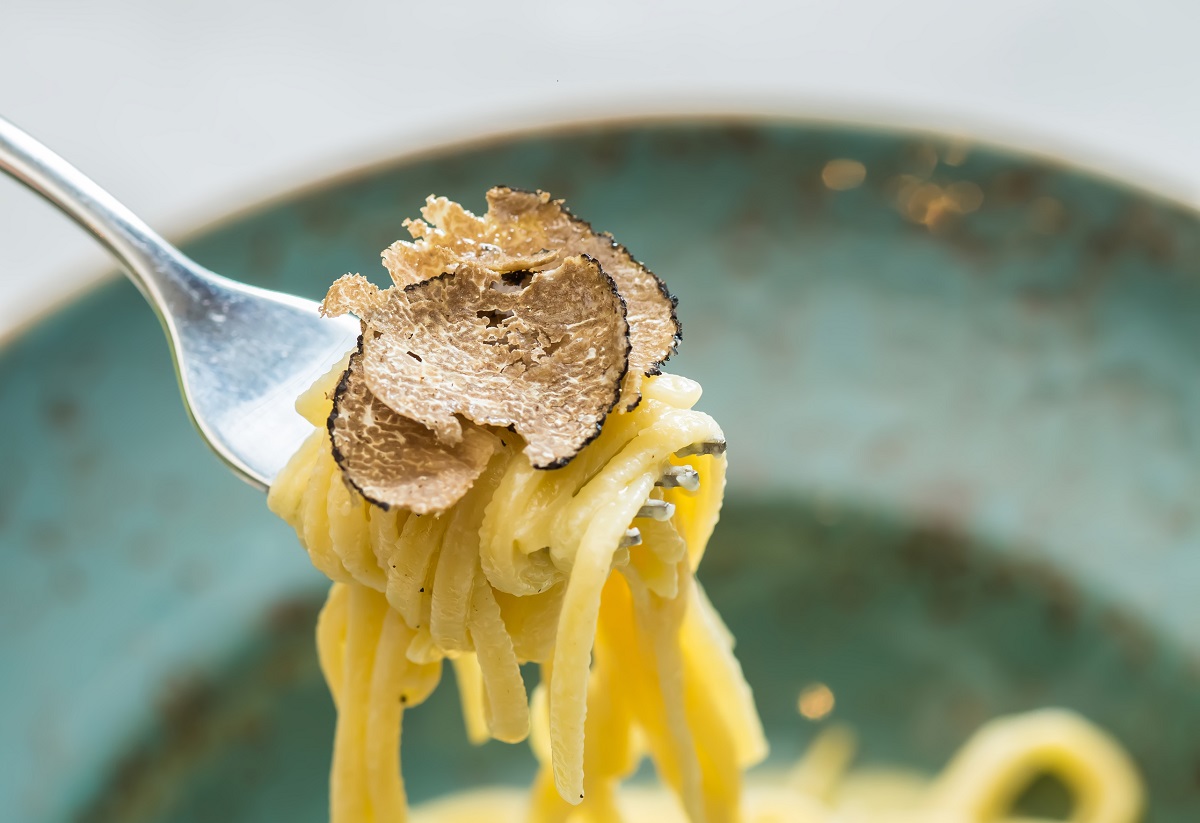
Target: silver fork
242,354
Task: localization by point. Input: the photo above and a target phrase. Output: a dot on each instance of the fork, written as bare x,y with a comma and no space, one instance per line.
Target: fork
242,354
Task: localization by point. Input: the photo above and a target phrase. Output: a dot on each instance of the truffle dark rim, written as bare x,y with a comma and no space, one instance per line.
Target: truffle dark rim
342,459
677,338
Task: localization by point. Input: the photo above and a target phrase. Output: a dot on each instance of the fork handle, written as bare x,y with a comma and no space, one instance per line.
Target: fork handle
158,269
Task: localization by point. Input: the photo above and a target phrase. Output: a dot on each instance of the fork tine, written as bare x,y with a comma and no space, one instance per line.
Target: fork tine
657,509
683,477
712,447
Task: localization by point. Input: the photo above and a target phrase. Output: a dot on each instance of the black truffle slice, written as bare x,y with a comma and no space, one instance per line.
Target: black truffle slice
541,352
352,293
394,461
522,224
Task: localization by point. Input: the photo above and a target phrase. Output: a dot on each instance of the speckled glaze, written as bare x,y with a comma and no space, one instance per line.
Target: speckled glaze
963,405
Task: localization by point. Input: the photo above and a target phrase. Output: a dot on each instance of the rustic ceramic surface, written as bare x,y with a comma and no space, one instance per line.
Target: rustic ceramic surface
963,410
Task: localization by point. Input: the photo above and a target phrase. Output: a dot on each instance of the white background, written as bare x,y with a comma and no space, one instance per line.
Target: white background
186,110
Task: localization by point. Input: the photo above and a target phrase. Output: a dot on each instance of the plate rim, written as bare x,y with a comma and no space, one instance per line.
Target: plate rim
437,144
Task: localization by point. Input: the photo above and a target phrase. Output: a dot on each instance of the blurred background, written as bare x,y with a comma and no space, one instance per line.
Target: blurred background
187,110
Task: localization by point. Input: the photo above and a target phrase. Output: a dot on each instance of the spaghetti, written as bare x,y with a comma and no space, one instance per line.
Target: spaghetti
527,567
981,783
469,486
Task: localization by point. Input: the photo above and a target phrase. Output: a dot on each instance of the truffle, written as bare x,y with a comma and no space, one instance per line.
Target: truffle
541,352
351,293
394,461
528,230
524,318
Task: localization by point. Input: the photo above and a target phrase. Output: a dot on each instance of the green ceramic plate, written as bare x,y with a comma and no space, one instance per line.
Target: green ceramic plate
963,405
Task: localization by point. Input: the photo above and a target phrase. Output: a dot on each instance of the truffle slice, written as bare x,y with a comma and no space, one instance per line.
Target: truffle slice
541,352
394,461
521,225
351,293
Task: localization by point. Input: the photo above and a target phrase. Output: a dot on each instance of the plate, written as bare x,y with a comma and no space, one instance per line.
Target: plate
961,389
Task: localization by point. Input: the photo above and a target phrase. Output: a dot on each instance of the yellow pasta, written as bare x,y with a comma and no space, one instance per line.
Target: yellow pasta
528,566
520,339
979,785
634,659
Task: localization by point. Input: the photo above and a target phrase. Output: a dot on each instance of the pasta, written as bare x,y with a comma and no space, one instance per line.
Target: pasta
527,566
979,785
469,488
632,662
